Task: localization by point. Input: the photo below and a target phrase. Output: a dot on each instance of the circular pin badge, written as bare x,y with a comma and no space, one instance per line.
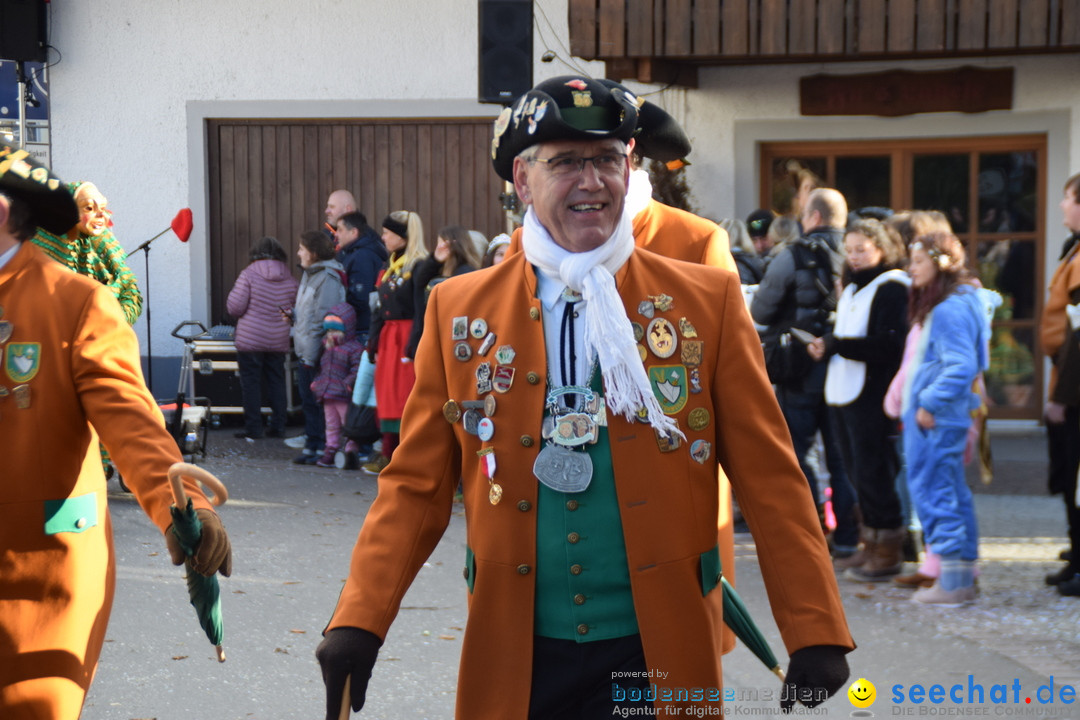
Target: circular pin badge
462,351
700,451
642,352
451,411
490,403
478,329
471,419
698,419
661,337
639,331
485,429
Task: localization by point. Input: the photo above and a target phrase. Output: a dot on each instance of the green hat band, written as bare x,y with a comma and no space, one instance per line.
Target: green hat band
588,119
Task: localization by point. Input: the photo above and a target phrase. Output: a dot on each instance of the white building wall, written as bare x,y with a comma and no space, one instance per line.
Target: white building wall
138,80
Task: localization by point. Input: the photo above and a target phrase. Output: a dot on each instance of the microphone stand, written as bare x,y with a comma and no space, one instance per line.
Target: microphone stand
145,247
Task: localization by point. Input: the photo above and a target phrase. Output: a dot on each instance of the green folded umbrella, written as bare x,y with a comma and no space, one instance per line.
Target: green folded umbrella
204,592
737,617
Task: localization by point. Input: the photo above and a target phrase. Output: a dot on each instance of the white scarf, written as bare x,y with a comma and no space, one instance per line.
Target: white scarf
608,333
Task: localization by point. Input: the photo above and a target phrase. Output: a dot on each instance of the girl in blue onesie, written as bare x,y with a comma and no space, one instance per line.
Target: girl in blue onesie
937,403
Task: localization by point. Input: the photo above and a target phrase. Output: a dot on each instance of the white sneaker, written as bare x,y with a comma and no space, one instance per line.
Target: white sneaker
296,442
939,596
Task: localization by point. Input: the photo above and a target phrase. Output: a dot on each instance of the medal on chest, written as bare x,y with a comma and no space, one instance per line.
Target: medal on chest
573,417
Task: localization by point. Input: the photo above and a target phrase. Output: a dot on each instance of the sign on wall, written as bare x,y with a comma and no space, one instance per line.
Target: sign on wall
37,109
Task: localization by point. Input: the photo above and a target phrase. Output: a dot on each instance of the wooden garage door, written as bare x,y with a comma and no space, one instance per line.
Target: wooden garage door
271,177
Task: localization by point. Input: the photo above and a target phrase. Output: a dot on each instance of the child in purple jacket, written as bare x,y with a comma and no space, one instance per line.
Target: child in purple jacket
333,385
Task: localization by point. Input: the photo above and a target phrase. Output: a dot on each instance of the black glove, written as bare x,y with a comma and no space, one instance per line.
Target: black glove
214,553
346,652
814,673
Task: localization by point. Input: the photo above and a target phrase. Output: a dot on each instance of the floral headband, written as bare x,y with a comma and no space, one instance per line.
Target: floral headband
941,258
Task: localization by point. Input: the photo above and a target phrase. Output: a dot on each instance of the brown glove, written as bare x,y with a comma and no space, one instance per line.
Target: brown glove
214,552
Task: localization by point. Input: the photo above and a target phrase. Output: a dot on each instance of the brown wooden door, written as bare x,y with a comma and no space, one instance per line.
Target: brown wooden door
272,177
992,189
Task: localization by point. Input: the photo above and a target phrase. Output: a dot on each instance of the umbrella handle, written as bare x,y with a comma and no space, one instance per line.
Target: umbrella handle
346,702
180,470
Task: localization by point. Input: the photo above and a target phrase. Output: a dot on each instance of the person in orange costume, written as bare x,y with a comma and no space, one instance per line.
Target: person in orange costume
70,373
679,235
633,586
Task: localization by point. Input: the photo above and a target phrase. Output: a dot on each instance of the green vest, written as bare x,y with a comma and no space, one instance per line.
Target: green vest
582,576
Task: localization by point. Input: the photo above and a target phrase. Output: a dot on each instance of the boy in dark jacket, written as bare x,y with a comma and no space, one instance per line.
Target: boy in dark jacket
333,385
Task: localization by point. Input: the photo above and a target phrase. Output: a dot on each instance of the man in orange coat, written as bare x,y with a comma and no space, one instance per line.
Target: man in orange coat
679,235
70,372
584,391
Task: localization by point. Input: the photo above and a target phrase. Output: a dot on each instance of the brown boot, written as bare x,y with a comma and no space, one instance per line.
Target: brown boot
862,555
914,580
886,560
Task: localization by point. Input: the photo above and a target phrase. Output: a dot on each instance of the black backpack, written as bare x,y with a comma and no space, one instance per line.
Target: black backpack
786,359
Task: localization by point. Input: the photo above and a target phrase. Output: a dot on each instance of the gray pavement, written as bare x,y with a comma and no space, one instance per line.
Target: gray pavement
292,528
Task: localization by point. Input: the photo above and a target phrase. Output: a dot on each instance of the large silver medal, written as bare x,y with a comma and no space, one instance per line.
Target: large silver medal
562,469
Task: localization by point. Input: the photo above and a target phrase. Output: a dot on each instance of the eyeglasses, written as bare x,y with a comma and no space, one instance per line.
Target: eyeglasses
568,165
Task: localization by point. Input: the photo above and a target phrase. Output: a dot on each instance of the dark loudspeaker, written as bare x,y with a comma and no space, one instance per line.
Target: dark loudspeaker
506,50
22,30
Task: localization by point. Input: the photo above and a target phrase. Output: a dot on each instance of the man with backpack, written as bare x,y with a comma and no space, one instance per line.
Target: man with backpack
796,301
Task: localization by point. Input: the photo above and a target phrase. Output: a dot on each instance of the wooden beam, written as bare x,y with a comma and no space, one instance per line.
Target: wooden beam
971,24
1002,30
736,27
1035,24
774,22
583,28
871,24
901,20
930,32
639,27
612,42
706,24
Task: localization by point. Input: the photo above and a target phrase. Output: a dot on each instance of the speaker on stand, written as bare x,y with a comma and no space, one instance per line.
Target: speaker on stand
23,38
506,49
22,30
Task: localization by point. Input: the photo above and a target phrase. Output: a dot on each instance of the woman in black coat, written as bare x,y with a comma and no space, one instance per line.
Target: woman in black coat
865,350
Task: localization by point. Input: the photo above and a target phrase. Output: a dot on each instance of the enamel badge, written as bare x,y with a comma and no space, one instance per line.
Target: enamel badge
503,378
661,337
669,385
459,328
22,361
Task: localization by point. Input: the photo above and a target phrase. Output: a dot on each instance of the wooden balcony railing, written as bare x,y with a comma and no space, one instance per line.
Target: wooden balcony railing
641,38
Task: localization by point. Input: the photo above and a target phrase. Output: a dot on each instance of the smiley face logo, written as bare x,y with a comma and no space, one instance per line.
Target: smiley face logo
862,693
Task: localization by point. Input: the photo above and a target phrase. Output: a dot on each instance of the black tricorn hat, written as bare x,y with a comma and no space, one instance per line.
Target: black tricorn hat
568,107
658,136
22,178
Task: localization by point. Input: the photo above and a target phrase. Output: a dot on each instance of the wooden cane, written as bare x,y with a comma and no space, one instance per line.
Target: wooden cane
177,473
346,703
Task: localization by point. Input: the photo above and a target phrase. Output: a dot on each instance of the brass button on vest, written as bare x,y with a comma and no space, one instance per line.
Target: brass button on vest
532,378
579,599
523,569
573,538
582,629
524,505
575,569
526,441
534,313
571,505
